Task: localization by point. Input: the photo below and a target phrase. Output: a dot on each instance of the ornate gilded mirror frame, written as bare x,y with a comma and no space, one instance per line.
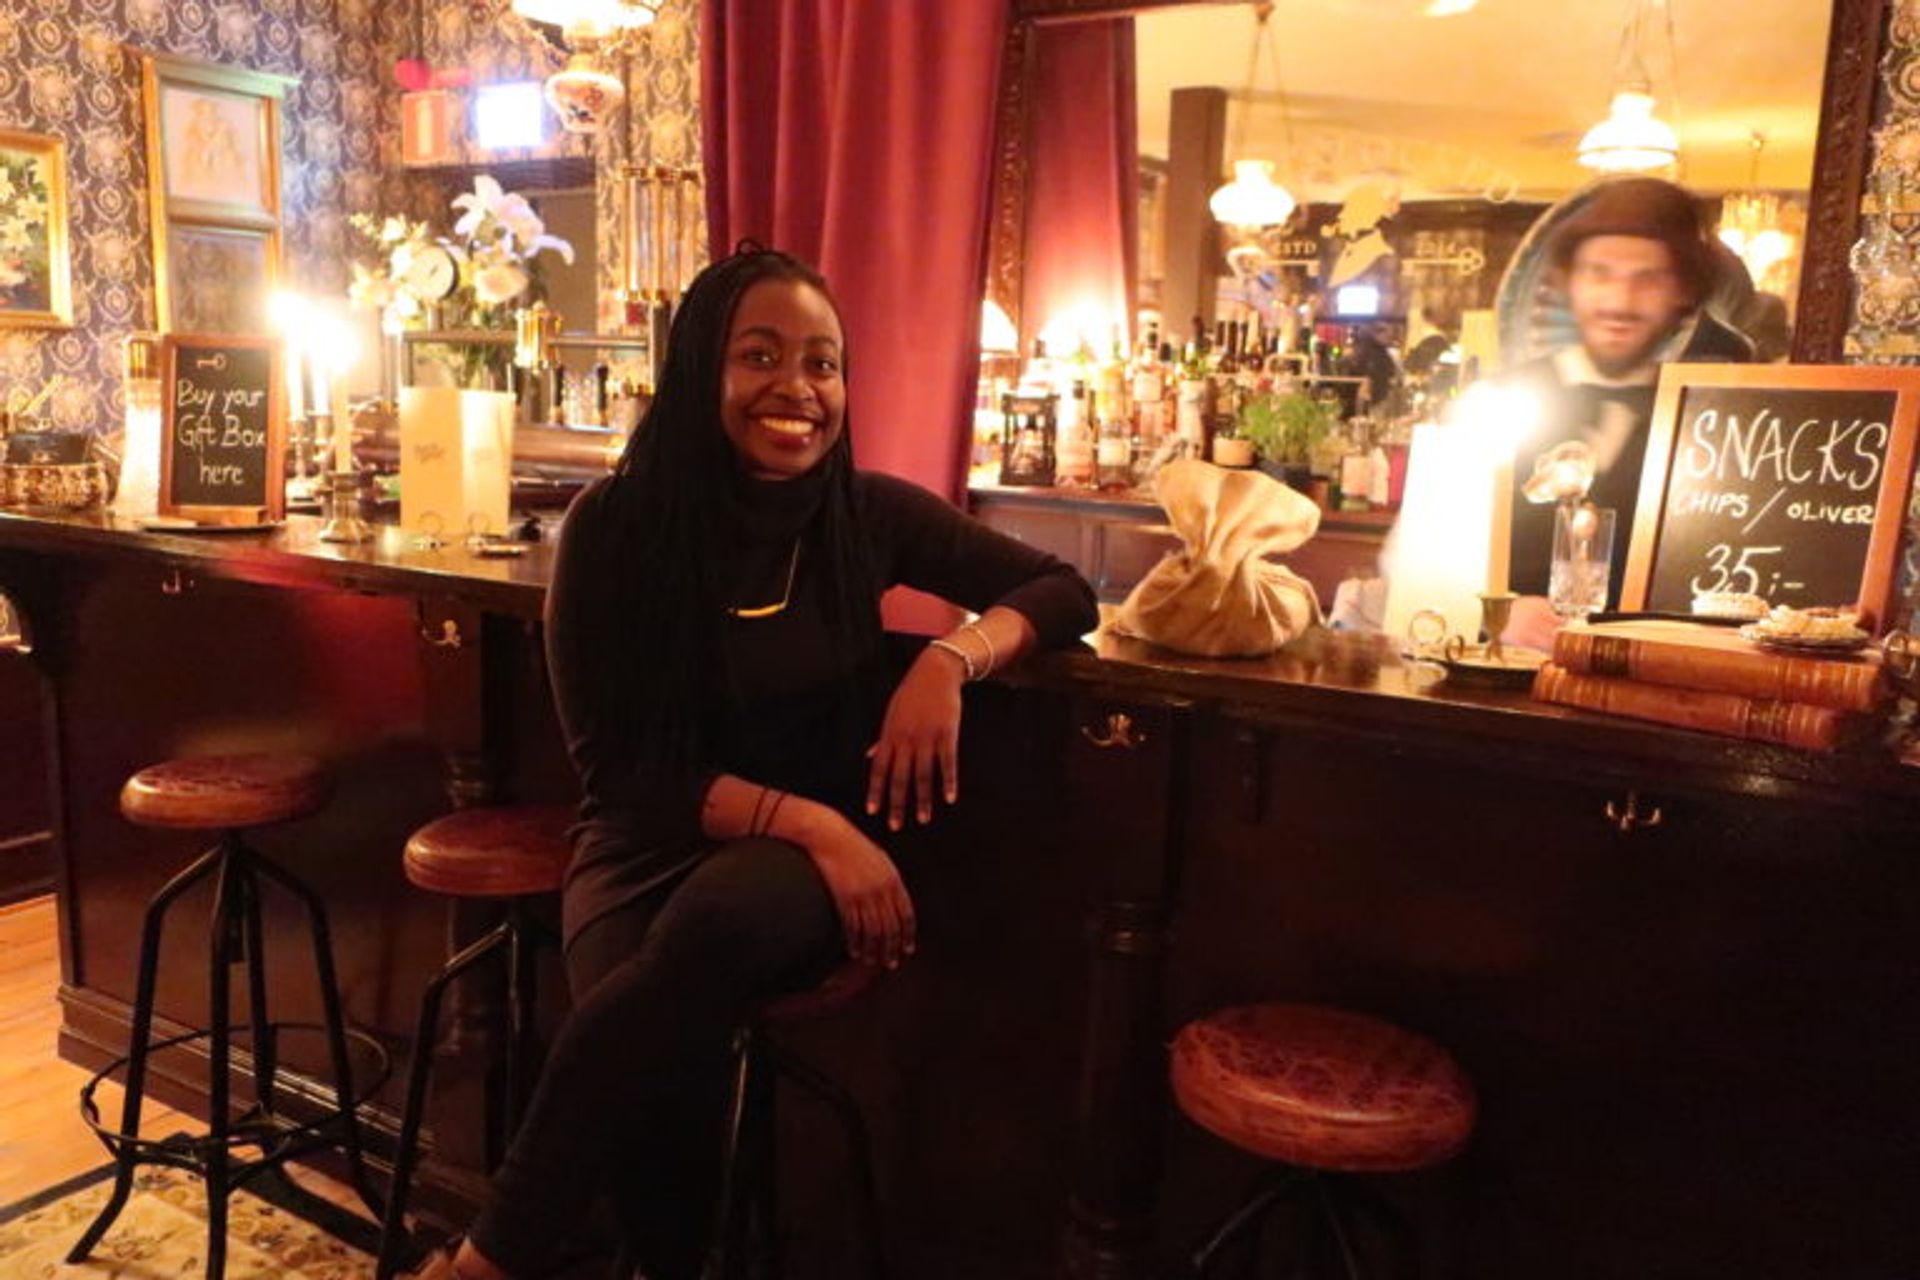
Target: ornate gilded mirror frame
1855,42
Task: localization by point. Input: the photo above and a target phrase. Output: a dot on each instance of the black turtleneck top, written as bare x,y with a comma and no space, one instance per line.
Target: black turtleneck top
791,722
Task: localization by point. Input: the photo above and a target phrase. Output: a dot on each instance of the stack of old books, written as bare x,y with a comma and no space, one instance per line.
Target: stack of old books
1710,678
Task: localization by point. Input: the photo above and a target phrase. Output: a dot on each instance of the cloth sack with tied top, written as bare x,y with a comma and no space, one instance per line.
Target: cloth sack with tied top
1219,597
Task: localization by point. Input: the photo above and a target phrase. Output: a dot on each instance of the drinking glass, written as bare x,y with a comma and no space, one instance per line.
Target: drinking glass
1582,559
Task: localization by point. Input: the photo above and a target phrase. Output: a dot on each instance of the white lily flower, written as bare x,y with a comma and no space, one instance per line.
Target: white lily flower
498,283
481,203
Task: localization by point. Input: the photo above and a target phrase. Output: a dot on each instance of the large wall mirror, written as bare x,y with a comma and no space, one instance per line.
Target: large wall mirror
1467,126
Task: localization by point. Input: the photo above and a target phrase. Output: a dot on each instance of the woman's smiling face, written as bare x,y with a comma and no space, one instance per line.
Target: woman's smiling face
783,400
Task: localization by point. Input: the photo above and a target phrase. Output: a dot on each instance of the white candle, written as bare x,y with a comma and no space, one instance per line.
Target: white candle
295,379
320,401
1500,527
342,422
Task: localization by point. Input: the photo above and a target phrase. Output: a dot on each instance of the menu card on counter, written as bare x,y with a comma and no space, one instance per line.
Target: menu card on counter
223,450
1789,482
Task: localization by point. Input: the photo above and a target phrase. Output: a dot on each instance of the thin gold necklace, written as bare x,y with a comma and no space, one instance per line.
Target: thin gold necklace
768,610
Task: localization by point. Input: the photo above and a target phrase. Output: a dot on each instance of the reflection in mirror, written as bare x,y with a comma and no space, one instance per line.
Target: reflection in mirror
1421,149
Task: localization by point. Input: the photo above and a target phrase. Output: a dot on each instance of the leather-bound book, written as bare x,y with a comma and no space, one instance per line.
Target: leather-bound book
1792,724
1690,656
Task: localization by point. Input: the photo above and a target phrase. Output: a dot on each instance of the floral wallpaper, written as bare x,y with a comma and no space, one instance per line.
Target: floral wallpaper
71,68
1886,328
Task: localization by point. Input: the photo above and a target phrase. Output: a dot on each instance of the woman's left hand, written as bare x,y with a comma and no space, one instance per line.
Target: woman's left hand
921,732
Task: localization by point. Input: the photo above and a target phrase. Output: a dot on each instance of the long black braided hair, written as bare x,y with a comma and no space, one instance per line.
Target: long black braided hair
671,492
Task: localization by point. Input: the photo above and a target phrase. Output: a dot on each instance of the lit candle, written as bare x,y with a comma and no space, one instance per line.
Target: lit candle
296,382
342,417
320,401
1500,528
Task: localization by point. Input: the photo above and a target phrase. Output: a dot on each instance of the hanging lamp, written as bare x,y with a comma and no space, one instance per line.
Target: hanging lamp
1632,138
1253,199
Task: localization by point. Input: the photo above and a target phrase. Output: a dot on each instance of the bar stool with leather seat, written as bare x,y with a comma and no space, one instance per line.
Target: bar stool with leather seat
1327,1093
513,854
746,1235
228,795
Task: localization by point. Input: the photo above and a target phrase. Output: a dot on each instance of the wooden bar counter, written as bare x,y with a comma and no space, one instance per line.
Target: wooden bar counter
1680,969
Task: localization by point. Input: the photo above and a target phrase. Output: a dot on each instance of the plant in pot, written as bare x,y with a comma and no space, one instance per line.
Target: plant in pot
1286,427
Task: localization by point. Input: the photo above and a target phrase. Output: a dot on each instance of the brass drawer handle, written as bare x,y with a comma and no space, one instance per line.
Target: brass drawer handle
1120,733
1627,818
175,583
449,637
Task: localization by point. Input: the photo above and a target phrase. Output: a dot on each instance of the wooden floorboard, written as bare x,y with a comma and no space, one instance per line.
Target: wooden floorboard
43,1139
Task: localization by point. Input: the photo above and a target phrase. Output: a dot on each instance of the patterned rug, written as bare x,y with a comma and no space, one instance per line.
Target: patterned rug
162,1232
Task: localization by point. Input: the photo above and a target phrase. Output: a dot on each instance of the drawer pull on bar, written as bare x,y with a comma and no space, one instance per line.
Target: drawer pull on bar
1120,733
1627,817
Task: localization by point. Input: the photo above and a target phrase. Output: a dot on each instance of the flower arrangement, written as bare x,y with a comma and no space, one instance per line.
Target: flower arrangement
23,231
473,277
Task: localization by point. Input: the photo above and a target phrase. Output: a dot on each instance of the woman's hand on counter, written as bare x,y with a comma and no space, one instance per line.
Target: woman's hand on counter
921,734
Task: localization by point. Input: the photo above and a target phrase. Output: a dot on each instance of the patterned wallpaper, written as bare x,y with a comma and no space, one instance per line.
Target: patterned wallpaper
65,69
1886,328
70,67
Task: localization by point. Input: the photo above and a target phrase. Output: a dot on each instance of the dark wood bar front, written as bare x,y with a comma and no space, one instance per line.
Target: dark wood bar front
1678,968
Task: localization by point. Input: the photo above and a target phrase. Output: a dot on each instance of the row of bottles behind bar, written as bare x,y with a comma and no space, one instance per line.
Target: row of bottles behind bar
1088,421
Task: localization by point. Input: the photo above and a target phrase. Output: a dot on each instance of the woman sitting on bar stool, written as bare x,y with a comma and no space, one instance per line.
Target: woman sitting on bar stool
714,638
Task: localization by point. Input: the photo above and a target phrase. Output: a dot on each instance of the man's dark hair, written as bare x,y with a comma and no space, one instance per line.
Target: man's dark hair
1649,208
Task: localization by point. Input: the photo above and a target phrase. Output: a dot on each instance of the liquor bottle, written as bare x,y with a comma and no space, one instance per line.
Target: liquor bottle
1149,399
1073,454
1114,462
1038,375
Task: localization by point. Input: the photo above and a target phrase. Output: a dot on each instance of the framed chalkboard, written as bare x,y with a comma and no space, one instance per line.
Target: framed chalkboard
1787,481
223,451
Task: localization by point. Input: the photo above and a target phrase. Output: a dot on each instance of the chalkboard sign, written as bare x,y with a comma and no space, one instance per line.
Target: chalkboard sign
1786,481
224,450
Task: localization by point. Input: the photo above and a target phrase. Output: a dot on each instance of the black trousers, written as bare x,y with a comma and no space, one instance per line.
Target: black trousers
630,1102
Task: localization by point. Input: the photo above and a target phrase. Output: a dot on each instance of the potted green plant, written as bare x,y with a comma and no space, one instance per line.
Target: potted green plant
1286,427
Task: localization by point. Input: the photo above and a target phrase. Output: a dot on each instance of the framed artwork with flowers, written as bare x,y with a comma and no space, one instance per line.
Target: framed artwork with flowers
36,287
213,181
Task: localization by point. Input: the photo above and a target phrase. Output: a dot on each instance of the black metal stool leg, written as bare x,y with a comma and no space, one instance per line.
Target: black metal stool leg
336,1031
1363,1200
266,1055
1339,1224
859,1152
151,928
728,1239
393,1229
226,927
521,982
1280,1184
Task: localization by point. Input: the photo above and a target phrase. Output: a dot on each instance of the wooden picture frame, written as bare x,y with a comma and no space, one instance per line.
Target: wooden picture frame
223,406
36,270
1778,463
213,177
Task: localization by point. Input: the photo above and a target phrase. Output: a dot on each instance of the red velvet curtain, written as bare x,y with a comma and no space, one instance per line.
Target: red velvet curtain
858,134
1083,201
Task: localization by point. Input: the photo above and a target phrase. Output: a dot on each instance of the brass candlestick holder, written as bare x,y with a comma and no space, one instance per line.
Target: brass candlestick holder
1496,608
343,522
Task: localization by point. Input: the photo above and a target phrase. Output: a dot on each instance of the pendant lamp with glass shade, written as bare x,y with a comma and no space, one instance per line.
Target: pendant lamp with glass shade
1632,138
584,94
1253,199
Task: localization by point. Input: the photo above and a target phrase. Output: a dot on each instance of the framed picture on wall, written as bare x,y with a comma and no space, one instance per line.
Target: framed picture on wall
219,279
36,289
213,167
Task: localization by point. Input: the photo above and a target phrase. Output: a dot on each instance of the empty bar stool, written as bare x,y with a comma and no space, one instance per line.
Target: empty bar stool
229,794
746,1238
1326,1093
511,853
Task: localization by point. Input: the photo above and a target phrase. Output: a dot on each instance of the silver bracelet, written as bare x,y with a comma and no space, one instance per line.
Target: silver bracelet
966,659
993,658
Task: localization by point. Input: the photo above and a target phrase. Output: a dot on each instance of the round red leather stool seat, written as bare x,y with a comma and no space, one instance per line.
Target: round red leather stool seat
1322,1088
212,793
838,989
506,851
